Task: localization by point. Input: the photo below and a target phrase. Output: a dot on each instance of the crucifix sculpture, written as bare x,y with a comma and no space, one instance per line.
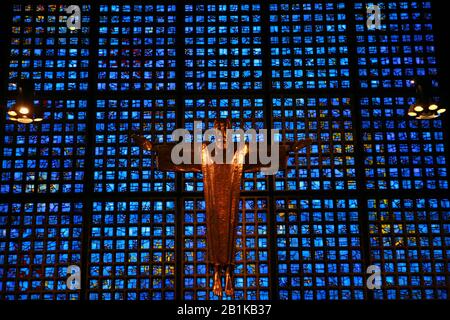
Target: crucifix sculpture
222,183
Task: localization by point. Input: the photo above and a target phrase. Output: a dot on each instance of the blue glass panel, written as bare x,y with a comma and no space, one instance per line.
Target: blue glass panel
132,250
137,47
329,164
38,242
45,50
46,157
223,47
120,164
309,45
409,240
401,153
403,49
319,249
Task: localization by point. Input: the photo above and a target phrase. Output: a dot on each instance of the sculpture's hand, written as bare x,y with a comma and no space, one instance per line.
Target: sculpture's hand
163,155
296,146
165,163
142,142
288,147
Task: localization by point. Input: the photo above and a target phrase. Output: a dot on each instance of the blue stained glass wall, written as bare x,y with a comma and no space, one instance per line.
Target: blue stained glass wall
136,47
132,250
371,190
319,249
401,152
309,45
223,47
120,165
45,50
330,163
48,157
405,47
38,242
409,239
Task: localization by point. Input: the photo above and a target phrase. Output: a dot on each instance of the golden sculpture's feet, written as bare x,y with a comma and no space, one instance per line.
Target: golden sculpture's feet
229,291
217,289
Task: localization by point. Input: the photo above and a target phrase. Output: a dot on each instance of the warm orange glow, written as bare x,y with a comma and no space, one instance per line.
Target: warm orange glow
24,110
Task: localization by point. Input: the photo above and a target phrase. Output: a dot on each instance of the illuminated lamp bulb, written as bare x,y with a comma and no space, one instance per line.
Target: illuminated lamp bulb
441,111
411,112
433,107
418,108
24,110
12,113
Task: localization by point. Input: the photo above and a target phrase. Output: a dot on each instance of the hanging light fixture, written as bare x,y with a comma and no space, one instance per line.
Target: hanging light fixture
425,107
24,110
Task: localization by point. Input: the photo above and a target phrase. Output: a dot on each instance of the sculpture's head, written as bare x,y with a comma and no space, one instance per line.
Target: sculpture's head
222,125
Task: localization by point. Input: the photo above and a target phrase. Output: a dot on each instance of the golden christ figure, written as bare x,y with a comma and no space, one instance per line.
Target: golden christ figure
222,164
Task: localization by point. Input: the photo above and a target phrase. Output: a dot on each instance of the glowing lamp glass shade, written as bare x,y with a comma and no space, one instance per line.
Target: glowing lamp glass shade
25,120
433,107
426,106
25,110
26,114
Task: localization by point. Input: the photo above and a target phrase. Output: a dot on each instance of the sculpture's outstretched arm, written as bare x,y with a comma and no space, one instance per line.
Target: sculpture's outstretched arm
285,148
165,163
298,145
164,155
